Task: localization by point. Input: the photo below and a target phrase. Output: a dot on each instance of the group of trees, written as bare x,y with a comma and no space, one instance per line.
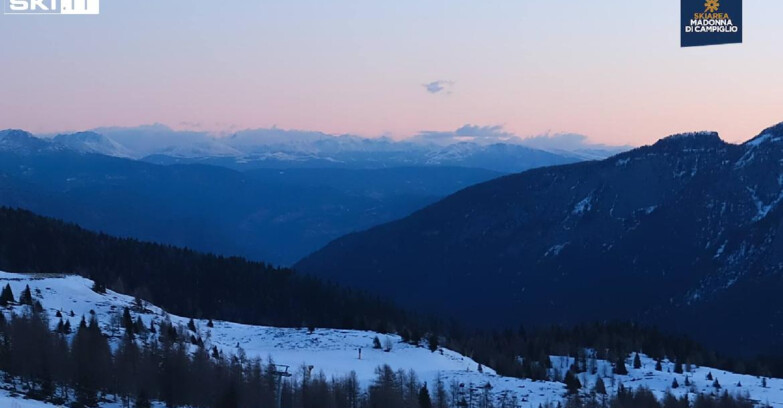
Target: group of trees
166,363
644,398
82,370
609,341
163,363
189,283
207,286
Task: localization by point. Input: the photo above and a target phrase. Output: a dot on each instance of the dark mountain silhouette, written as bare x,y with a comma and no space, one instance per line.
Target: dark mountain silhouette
685,234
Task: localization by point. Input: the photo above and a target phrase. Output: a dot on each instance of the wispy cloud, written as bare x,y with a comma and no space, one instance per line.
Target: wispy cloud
567,142
468,133
440,86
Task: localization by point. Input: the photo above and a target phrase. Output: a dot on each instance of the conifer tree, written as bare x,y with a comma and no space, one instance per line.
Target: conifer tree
424,397
376,343
7,296
716,384
600,387
658,366
26,298
675,384
572,383
637,362
138,326
619,367
441,395
127,323
433,342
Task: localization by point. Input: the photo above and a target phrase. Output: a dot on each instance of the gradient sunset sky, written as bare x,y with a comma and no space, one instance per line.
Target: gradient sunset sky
612,70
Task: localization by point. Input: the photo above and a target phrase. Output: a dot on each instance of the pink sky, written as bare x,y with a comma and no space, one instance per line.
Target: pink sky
611,70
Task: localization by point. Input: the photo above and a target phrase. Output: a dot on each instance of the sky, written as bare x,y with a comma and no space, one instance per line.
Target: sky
612,70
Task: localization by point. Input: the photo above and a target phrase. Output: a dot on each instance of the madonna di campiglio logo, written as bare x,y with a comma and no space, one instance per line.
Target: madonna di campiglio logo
710,22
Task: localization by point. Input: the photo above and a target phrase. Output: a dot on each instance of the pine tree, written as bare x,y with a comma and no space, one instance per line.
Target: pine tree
138,326
619,367
709,376
99,287
764,382
127,323
599,387
26,298
441,395
678,367
716,384
687,381
376,343
433,342
637,362
572,383
7,296
480,368
675,384
658,366
191,325
210,324
424,397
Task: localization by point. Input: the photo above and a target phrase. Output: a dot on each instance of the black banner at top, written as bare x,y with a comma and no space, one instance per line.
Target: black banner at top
710,22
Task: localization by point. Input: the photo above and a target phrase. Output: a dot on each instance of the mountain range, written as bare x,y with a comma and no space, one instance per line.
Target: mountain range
278,148
686,234
273,215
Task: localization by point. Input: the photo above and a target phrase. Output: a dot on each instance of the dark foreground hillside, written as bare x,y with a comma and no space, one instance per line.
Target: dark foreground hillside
183,281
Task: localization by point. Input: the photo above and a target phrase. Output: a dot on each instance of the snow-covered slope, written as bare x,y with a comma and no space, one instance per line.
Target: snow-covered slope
336,352
91,142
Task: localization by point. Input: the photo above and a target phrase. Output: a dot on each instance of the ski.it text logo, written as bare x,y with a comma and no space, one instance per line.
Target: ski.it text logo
51,6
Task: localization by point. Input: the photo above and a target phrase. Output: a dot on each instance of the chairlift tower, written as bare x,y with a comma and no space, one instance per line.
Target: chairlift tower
281,371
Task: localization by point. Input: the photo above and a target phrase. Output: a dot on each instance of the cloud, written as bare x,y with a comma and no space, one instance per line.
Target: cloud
573,143
468,133
562,141
565,141
440,86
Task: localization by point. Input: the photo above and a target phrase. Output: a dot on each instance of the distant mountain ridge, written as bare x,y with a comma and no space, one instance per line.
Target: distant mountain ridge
278,148
686,233
263,214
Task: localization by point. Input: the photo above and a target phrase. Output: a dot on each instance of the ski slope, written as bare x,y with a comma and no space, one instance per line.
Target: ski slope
336,352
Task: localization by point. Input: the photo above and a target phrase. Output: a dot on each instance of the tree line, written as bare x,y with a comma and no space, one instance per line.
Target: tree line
164,363
189,283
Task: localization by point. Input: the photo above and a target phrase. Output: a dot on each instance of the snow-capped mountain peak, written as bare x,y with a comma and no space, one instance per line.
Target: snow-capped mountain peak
91,142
